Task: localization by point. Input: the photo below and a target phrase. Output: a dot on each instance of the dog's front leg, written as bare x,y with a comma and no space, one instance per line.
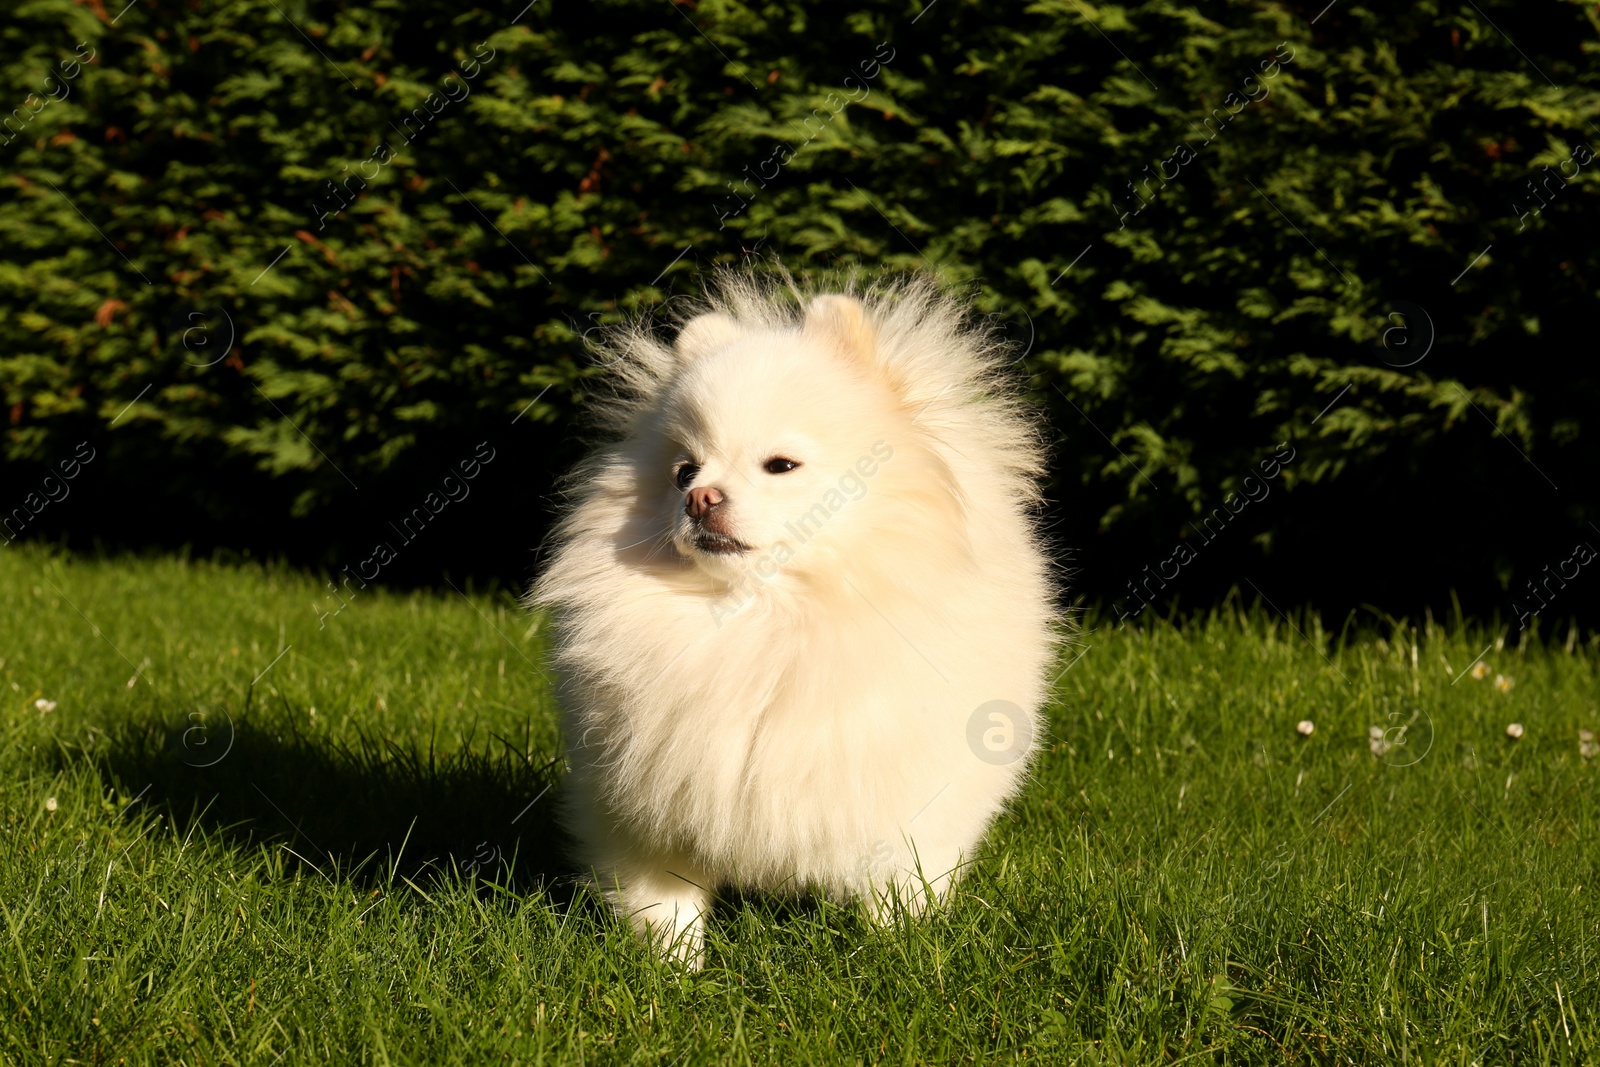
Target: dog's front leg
666,900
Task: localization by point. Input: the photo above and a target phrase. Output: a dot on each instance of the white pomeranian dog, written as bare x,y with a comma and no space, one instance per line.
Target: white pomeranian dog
802,615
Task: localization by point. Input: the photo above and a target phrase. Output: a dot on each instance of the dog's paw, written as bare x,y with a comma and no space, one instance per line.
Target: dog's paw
685,947
668,909
909,891
887,903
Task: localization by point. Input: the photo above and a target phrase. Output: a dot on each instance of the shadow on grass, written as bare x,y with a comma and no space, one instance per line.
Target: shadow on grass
370,813
375,812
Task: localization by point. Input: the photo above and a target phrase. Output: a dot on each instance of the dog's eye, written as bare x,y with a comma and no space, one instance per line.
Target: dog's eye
779,465
685,474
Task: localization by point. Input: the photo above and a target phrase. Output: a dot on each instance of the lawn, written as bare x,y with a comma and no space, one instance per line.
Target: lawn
225,852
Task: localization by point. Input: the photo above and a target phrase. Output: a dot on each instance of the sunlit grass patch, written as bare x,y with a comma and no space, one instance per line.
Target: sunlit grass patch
241,832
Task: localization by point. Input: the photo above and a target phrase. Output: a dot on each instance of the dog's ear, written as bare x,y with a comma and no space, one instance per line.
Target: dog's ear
704,334
843,322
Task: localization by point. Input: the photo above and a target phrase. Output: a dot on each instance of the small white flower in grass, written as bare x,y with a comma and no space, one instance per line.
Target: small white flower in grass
44,705
50,804
1502,683
1514,731
1377,741
1588,748
1480,670
1305,727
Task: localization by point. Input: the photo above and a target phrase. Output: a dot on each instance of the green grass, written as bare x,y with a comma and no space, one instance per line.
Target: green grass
358,875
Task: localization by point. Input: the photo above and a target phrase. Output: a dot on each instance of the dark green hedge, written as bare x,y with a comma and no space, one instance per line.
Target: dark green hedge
1197,219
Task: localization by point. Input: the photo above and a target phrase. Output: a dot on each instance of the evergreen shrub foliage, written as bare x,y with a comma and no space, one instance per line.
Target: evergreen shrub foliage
1204,225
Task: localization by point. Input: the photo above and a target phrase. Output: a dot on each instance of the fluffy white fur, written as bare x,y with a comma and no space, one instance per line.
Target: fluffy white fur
796,715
